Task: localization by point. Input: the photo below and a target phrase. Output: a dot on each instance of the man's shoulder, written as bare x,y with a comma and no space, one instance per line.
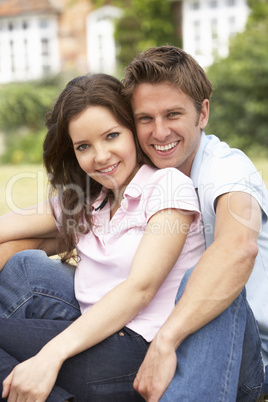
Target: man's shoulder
218,157
214,148
224,169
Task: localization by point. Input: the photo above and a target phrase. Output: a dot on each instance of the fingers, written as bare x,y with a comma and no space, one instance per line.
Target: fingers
7,385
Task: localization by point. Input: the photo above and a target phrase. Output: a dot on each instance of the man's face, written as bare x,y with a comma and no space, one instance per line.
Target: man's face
168,125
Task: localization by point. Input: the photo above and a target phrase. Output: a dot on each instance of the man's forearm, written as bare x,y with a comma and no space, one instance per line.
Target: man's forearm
8,249
211,289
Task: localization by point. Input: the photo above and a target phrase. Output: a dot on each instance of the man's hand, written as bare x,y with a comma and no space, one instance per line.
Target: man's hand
156,371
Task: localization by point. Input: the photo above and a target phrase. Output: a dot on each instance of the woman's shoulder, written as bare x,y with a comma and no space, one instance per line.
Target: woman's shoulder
166,174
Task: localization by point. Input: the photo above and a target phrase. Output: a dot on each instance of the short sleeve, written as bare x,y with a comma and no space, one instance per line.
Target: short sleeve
169,188
231,173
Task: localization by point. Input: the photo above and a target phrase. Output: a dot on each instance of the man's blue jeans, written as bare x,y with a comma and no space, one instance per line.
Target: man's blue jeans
221,362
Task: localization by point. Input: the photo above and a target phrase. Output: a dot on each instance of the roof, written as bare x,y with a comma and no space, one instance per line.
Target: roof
10,8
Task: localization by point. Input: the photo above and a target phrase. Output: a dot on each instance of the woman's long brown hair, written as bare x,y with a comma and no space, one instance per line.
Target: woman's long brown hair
75,189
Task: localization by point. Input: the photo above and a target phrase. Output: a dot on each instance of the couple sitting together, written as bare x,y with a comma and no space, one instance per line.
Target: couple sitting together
168,227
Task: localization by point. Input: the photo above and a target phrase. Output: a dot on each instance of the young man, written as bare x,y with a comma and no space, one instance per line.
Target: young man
210,328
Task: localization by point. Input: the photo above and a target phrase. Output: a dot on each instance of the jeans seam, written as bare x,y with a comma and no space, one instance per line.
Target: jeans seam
111,378
230,360
18,307
55,297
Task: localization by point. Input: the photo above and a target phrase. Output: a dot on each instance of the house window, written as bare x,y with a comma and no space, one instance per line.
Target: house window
26,55
213,3
25,25
197,37
12,61
43,24
230,3
214,29
45,50
195,5
10,26
232,26
45,47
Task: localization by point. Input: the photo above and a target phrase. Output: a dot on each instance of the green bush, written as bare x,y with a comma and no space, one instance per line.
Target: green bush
24,105
240,101
24,147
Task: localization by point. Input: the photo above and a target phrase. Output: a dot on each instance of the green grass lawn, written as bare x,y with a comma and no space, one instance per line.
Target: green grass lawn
21,186
25,185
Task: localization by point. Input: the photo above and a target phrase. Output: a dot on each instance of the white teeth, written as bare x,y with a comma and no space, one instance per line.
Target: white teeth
166,147
109,169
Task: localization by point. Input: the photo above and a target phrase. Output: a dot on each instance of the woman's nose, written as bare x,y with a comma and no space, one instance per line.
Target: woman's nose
102,155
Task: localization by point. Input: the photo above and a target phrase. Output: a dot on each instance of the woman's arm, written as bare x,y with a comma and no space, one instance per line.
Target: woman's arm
31,228
29,223
156,255
10,248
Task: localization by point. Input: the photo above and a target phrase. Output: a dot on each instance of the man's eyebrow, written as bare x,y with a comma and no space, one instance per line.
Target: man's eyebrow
172,109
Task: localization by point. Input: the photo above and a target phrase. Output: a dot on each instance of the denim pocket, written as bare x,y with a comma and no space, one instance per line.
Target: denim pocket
252,390
118,389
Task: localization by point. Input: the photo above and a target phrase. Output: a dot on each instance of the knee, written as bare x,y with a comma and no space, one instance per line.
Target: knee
23,260
25,255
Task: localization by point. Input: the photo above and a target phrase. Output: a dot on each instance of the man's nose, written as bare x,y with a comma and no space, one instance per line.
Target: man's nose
161,130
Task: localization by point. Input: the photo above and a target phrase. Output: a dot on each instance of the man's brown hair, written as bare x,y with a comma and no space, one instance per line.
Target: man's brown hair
172,65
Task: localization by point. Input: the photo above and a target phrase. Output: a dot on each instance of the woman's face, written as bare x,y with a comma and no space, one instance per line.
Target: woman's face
104,148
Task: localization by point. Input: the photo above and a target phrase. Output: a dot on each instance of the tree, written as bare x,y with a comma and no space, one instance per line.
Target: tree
143,24
240,101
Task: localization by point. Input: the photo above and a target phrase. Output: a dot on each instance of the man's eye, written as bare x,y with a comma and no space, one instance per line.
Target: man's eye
144,119
173,114
112,135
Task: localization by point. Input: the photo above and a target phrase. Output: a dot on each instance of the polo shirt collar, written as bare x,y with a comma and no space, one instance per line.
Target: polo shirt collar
196,166
133,190
143,175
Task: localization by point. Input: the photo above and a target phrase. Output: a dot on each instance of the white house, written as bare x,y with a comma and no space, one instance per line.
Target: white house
207,26
28,44
48,36
101,48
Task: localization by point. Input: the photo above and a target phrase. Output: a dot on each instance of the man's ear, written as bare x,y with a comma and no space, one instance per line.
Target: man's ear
204,114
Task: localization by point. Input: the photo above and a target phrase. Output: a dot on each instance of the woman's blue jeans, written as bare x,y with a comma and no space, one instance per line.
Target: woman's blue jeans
219,363
38,294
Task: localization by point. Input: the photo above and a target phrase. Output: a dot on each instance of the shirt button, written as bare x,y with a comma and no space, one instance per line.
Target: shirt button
121,333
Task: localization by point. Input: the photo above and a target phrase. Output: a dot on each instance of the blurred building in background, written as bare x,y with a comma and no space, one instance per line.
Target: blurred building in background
208,25
49,36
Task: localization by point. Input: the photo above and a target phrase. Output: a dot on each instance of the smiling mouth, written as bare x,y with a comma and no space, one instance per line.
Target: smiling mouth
165,148
108,169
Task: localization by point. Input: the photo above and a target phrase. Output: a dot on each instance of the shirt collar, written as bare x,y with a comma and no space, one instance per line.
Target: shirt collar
196,166
133,190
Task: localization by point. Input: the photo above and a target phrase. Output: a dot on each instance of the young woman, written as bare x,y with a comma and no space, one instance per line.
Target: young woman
135,231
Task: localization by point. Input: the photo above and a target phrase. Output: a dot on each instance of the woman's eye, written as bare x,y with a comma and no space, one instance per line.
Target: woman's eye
82,147
112,135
